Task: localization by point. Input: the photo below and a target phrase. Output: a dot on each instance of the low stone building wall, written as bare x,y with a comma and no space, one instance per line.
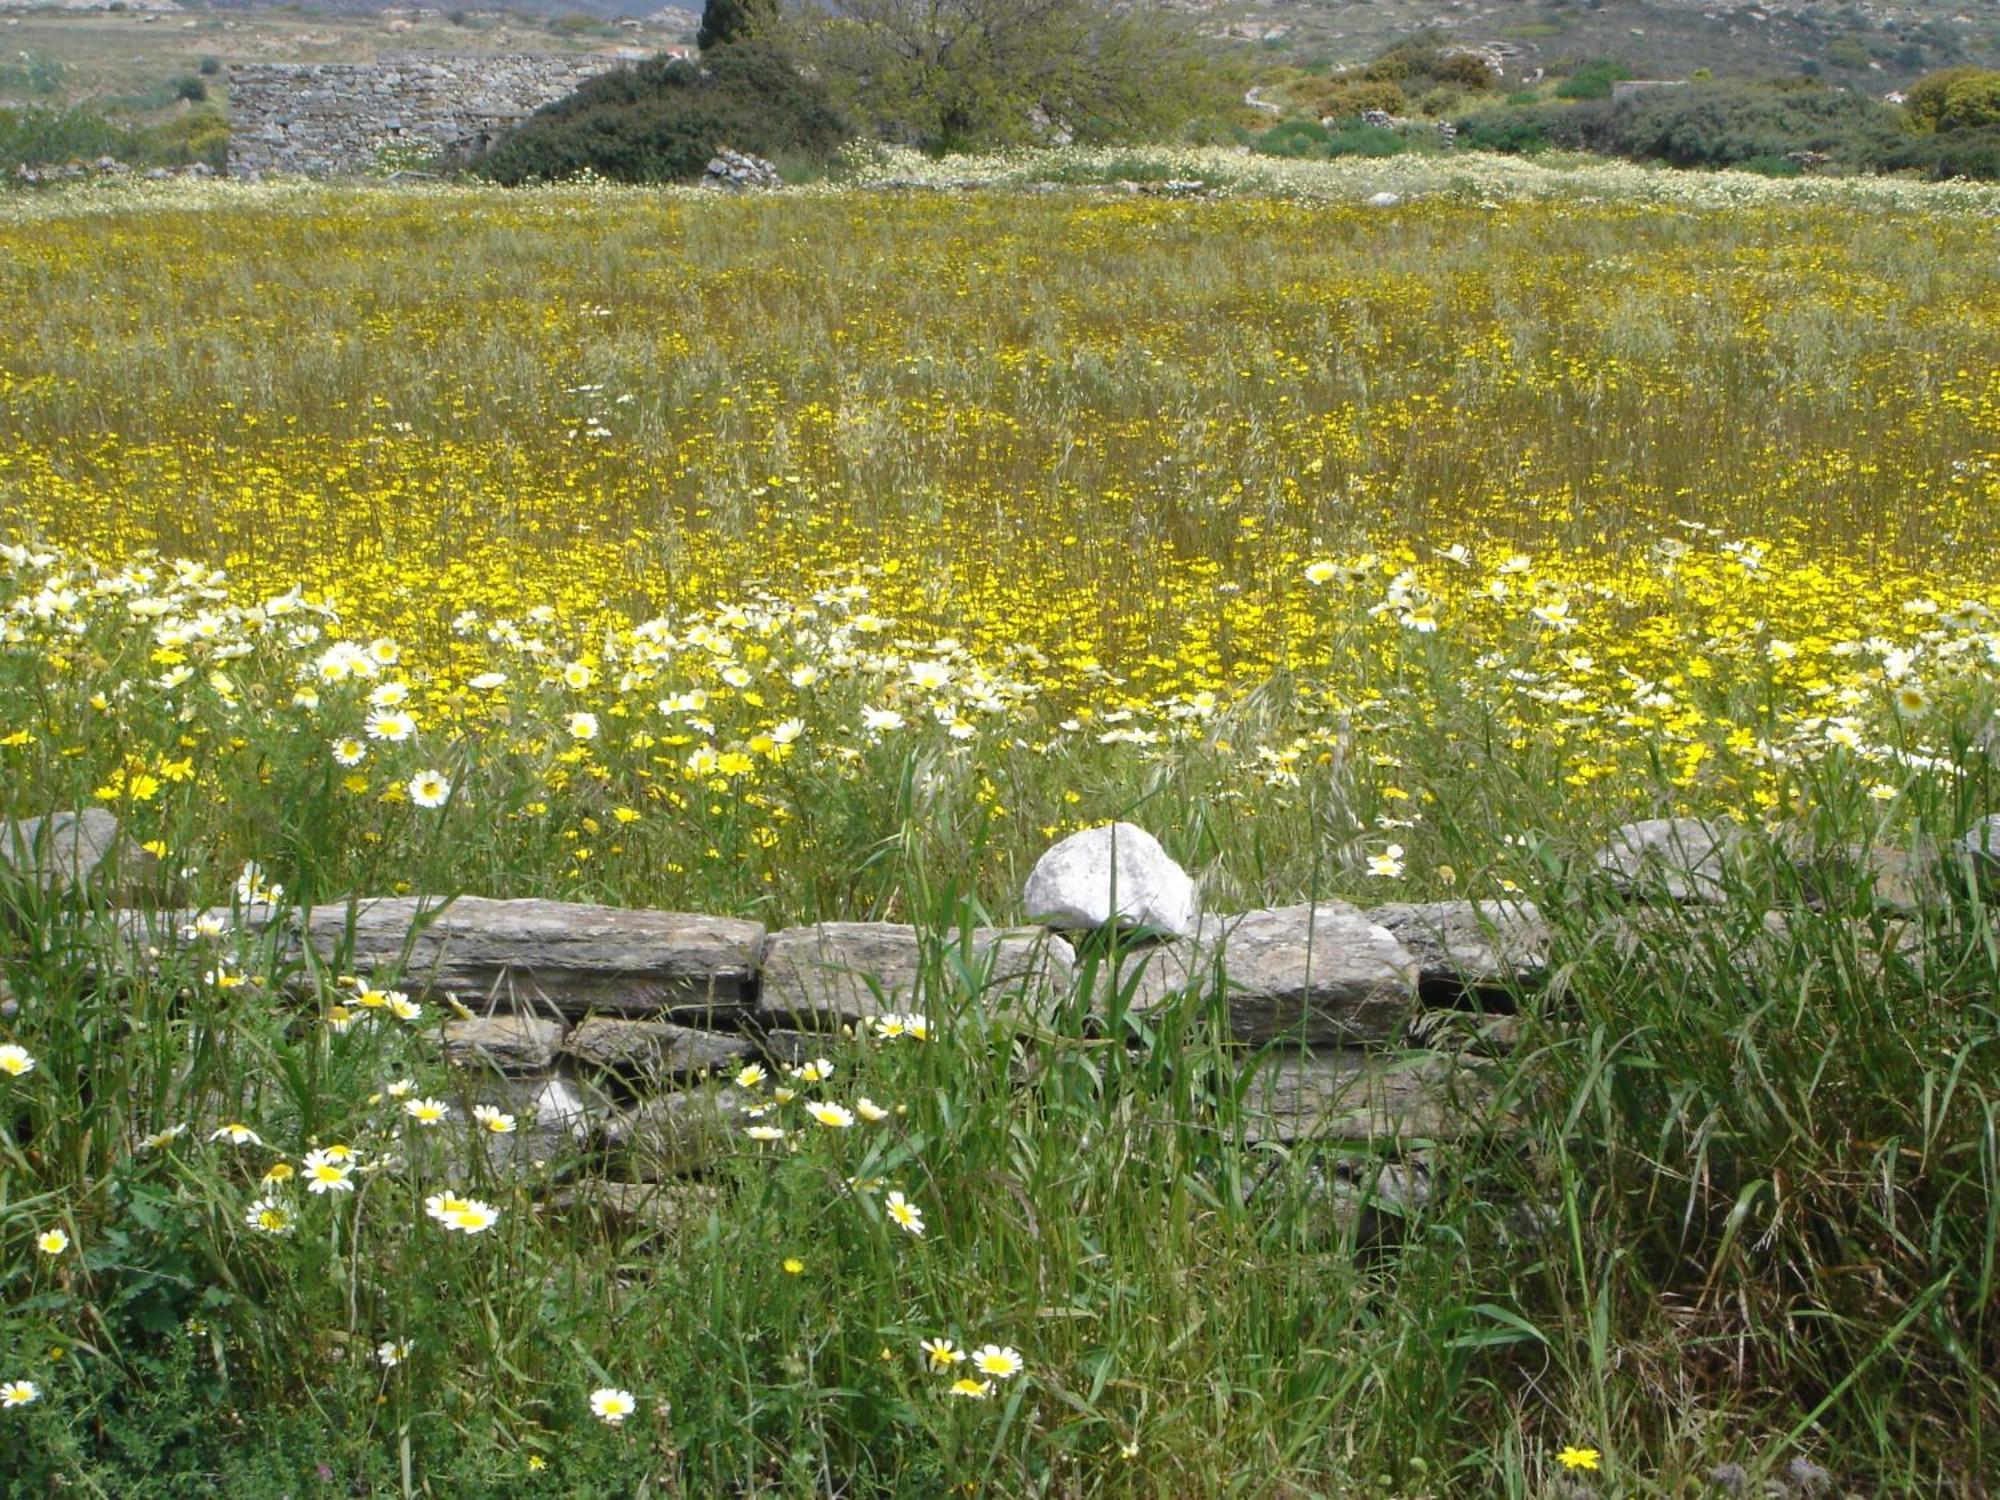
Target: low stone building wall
326,118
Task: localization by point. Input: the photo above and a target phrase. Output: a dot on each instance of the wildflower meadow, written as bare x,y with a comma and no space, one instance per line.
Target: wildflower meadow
825,556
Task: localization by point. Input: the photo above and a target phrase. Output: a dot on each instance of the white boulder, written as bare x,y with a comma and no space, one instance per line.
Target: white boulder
1114,875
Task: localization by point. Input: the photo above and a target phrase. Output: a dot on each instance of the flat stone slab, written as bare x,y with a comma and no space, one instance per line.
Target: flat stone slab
1364,1097
68,853
1678,859
844,973
530,954
509,1044
1478,944
1317,975
655,1050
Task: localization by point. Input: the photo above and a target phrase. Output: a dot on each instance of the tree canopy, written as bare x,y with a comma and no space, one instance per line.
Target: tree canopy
945,73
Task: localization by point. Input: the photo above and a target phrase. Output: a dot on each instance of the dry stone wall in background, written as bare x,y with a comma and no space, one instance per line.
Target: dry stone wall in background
321,119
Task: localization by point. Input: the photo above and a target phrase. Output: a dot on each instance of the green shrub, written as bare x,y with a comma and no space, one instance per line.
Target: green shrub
1771,166
49,137
1515,133
1349,98
1592,80
1925,103
201,135
1297,138
191,89
29,73
1973,153
1462,70
1971,103
1310,140
1364,140
662,120
1725,124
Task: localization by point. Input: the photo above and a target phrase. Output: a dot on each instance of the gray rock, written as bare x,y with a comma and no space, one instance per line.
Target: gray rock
69,853
1117,874
1682,859
668,1208
679,1134
1316,975
1982,839
789,1048
1349,1197
1384,200
553,1123
1364,1096
507,1044
531,954
1469,1032
1477,944
842,973
655,1050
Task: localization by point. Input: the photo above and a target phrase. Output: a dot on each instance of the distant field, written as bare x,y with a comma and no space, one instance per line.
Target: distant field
1700,435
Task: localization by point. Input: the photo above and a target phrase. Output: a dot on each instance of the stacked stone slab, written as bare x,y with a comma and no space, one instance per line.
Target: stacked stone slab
1321,998
618,1032
327,118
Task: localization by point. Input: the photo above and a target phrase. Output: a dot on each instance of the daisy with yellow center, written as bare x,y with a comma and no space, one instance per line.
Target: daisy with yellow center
612,1406
1001,1363
491,1120
833,1116
429,789
426,1111
970,1389
905,1213
269,1216
52,1242
18,1392
474,1218
943,1353
325,1175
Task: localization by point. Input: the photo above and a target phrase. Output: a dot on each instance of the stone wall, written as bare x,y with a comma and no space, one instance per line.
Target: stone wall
321,118
629,1048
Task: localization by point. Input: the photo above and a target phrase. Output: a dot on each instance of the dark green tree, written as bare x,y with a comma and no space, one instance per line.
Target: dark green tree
725,21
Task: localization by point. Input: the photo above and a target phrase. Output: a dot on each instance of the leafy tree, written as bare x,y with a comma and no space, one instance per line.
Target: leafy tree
950,73
1925,105
1971,103
725,21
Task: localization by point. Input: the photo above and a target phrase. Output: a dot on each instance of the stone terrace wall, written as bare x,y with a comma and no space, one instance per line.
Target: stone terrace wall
321,118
